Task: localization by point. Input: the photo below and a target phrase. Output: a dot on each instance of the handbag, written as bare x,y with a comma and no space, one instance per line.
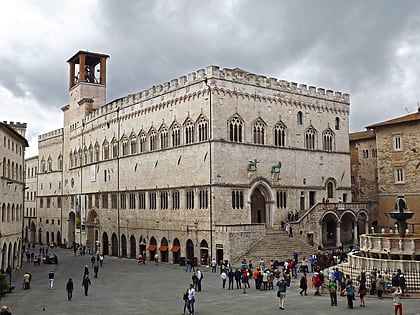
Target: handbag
278,293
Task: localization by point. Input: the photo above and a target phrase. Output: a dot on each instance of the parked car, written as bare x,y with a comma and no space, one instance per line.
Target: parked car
51,259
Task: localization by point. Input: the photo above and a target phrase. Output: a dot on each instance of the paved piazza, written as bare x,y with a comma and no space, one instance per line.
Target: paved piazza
124,287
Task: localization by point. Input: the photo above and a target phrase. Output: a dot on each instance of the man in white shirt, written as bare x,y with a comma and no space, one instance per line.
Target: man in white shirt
213,265
191,299
200,277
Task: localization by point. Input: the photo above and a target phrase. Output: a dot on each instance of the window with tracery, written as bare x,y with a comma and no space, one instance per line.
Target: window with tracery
71,159
105,150
60,162
85,155
164,138
49,164
202,126
143,146
114,148
96,152
235,129
42,166
124,146
90,153
258,132
153,140
310,135
176,135
328,140
133,144
280,135
189,131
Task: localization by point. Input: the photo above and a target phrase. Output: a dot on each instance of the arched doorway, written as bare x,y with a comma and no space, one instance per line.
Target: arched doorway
15,256
258,207
362,224
114,245
92,229
176,250
32,233
347,229
4,257
47,237
142,245
163,250
329,230
9,255
152,248
105,244
123,246
189,248
71,236
204,252
132,247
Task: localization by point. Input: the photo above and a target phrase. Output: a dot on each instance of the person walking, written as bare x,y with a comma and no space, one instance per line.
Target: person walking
213,265
191,299
362,294
93,260
380,286
194,279
199,279
51,280
238,278
244,279
303,284
332,289
281,292
223,277
185,299
101,260
95,272
86,283
396,298
350,294
156,259
26,280
69,289
230,275
86,272
6,310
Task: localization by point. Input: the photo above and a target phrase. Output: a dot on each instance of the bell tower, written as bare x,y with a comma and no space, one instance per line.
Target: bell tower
87,84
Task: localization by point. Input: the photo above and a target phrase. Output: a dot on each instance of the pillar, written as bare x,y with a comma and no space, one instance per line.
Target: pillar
338,234
355,232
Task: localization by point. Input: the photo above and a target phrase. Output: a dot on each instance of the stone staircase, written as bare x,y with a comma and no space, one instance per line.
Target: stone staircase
276,245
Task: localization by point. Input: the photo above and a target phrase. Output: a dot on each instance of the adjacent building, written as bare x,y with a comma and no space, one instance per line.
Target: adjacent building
12,183
196,167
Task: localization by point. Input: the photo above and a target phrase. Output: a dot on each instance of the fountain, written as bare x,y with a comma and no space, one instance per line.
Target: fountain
400,215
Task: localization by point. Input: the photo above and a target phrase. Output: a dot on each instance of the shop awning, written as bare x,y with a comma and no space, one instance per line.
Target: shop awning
151,247
163,248
175,248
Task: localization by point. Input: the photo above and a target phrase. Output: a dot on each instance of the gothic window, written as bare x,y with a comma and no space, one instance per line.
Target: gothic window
153,140
202,125
310,135
176,135
90,153
80,157
133,144
258,131
299,118
281,199
114,145
164,197
235,129
330,190
49,164
164,137
328,140
104,200
42,166
132,200
189,199
175,199
152,200
142,200
114,201
60,162
337,123
143,146
105,150
96,152
123,200
280,135
237,199
189,131
85,155
124,146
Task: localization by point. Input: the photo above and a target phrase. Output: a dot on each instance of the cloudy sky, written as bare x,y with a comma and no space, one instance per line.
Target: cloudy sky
369,49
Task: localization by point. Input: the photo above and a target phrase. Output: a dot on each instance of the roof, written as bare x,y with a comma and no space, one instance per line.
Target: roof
362,135
399,120
15,133
89,55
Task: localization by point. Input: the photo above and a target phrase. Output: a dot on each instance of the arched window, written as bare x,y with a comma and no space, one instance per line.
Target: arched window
80,157
310,135
114,145
105,150
176,135
90,159
42,166
143,143
153,140
280,135
96,149
124,146
60,162
189,131
164,137
202,125
258,131
85,155
235,129
71,159
299,118
133,144
330,190
337,123
328,140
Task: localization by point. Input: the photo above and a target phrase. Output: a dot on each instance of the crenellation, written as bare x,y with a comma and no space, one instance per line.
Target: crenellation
51,134
191,77
201,74
321,92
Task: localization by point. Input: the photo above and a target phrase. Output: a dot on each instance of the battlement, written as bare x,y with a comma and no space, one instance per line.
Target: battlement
15,124
51,134
234,75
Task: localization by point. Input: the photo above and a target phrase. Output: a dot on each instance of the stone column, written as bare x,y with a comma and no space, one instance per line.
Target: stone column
366,227
338,232
355,232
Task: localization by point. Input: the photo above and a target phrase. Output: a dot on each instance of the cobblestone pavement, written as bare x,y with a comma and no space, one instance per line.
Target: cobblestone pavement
125,287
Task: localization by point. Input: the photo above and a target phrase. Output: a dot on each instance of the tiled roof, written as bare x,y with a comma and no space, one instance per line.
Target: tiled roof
399,120
361,135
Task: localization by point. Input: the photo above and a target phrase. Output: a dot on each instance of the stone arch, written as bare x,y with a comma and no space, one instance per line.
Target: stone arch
142,245
176,251
152,248
71,229
347,221
10,255
123,246
163,249
328,223
189,249
114,245
15,256
32,234
132,246
52,238
47,237
40,236
92,228
105,244
58,238
261,201
204,252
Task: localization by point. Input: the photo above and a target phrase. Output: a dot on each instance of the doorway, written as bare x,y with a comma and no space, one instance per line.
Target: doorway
258,207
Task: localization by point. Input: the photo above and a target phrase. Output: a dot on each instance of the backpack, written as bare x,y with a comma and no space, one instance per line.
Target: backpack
185,296
351,291
333,289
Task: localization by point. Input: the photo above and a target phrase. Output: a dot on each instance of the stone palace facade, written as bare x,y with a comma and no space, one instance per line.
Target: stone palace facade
196,167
